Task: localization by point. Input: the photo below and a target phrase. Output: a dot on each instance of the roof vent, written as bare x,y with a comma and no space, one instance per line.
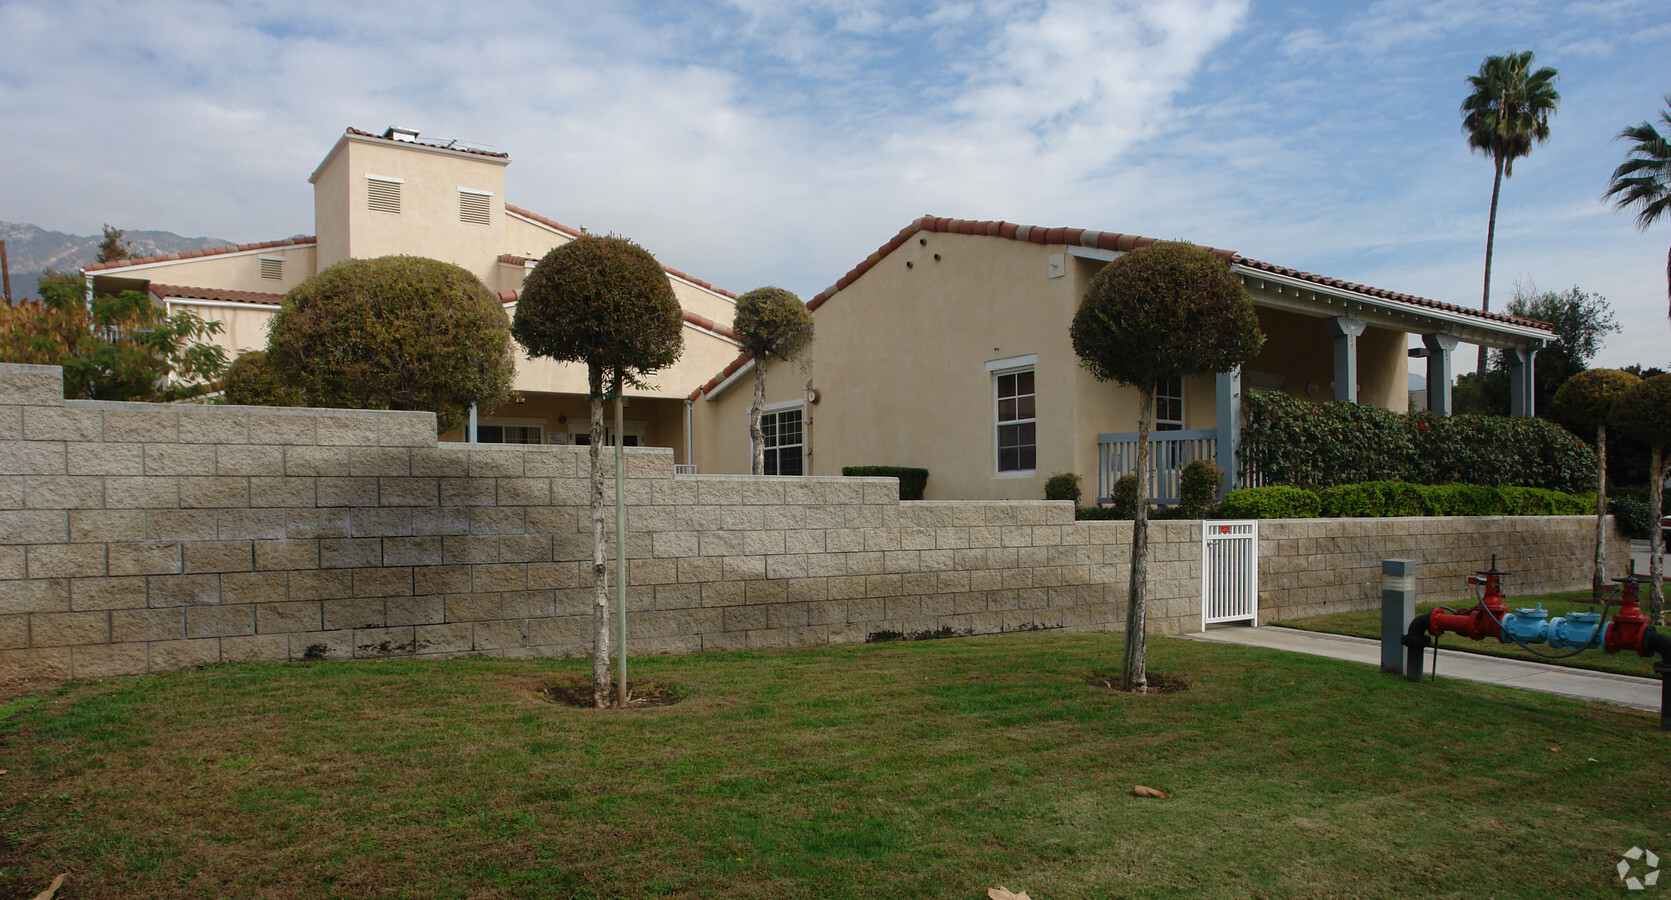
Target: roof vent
401,134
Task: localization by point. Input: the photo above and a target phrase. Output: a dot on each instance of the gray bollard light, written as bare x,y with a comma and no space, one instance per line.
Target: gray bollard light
1398,607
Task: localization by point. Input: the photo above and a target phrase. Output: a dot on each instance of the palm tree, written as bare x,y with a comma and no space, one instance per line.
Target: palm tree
1644,180
1508,110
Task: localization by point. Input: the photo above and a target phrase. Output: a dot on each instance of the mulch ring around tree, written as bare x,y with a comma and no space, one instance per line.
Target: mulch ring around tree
642,693
1158,683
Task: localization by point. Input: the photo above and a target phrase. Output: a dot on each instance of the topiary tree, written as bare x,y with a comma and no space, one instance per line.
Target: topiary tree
1062,486
250,381
1587,399
604,302
1644,412
1159,312
769,322
396,332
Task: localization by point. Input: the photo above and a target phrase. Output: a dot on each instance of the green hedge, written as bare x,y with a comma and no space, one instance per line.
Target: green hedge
1630,510
1295,442
911,481
1394,498
1276,502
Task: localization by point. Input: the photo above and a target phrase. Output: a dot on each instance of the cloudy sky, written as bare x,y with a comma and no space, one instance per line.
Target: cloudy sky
773,141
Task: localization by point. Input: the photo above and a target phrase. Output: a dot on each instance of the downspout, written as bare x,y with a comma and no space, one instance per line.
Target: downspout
690,443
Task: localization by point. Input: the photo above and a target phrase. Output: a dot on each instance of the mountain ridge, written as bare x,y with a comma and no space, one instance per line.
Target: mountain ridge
31,249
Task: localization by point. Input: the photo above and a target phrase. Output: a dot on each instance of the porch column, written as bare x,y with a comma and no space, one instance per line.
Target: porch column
1521,398
1345,330
1439,347
1229,391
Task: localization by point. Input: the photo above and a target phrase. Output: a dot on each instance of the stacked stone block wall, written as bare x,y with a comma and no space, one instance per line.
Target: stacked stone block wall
142,538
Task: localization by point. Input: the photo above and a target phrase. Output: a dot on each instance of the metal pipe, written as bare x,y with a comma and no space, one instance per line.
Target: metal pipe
1415,643
620,546
690,442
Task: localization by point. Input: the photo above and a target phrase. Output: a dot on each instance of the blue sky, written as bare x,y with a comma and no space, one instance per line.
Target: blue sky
772,142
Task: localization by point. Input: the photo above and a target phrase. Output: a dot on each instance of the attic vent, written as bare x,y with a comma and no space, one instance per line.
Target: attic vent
474,207
383,194
272,267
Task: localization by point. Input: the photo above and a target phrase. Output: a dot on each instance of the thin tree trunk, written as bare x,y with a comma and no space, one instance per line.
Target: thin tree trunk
600,586
757,437
1490,240
1656,543
1668,279
1598,584
1134,669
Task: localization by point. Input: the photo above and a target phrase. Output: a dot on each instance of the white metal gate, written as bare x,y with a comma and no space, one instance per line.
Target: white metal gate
1229,572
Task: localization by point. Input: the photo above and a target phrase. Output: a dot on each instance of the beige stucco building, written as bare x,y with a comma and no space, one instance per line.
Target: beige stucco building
394,193
948,349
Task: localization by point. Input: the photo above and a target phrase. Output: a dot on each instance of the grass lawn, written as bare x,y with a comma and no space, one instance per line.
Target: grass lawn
1367,623
928,769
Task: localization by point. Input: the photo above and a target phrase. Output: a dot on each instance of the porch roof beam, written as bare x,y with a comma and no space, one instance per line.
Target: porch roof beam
1312,299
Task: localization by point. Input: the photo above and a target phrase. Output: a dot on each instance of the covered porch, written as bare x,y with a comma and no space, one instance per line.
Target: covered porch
538,417
1326,341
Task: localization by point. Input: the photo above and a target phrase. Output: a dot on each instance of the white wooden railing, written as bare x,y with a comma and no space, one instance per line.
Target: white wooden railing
1169,452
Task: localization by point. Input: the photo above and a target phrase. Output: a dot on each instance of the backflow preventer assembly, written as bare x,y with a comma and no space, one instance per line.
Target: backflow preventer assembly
1626,631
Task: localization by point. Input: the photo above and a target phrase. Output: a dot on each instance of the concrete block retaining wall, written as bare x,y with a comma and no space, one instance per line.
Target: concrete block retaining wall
142,538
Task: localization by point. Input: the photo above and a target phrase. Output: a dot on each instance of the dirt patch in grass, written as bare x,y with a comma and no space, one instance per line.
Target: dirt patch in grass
13,688
1158,683
642,693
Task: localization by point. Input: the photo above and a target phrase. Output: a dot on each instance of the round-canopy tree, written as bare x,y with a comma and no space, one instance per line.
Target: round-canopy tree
1587,399
1159,312
604,302
250,381
769,322
396,332
1644,413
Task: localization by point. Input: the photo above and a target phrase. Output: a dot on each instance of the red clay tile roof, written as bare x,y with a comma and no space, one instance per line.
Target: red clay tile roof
1385,294
437,145
194,254
174,291
1103,240
575,232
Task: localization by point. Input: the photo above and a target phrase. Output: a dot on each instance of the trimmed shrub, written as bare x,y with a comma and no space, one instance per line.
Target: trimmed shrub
1099,514
1064,486
1276,502
249,381
396,332
1125,497
911,481
1466,500
1631,514
1291,441
1375,498
1198,484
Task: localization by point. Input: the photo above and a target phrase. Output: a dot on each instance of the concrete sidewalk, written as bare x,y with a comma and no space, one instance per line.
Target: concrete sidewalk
1623,690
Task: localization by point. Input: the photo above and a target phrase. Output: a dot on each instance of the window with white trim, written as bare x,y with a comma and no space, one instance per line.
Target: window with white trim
383,194
784,431
1017,435
1169,404
475,207
272,267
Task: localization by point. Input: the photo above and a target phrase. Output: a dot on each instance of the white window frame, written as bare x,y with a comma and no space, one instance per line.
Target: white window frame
1011,366
1183,412
772,409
